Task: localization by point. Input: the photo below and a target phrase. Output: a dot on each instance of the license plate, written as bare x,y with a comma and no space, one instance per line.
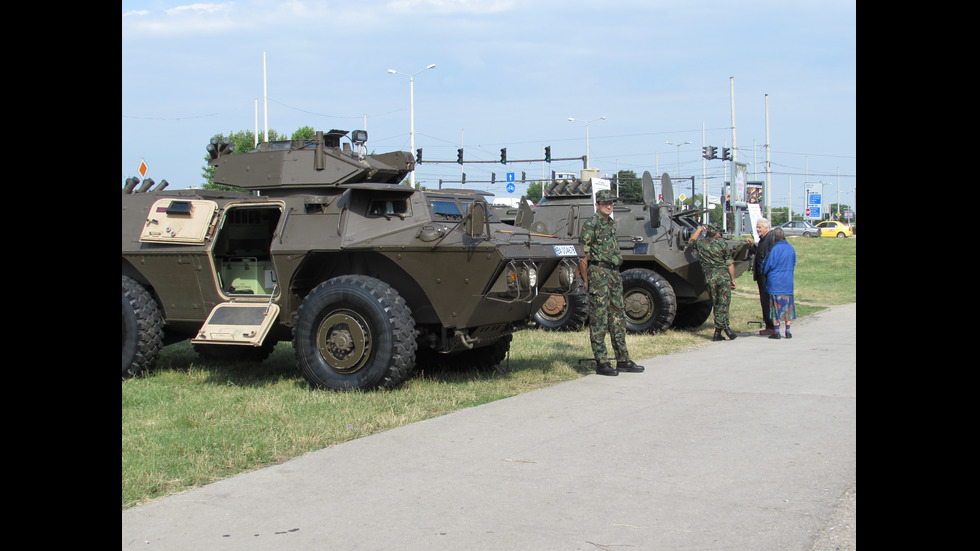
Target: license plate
565,250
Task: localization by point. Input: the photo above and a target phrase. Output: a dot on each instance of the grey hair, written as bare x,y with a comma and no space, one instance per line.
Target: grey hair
765,222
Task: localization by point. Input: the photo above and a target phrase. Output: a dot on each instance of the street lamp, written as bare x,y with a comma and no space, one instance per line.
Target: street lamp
587,158
679,156
411,103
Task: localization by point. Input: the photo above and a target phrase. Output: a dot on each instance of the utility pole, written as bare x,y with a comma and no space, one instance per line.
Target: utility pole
768,166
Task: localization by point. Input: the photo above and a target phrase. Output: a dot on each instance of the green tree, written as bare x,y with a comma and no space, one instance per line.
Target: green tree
534,192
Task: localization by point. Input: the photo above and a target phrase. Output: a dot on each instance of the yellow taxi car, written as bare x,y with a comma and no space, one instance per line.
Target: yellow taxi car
831,228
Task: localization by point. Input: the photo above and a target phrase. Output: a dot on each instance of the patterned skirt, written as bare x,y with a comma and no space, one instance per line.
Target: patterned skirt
782,307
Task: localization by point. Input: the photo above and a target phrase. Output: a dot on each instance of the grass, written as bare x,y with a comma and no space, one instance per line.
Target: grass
191,422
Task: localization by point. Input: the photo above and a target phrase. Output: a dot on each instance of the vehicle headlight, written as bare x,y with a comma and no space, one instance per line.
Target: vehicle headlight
523,276
566,274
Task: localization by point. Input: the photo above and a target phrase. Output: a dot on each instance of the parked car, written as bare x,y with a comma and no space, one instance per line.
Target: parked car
831,228
800,227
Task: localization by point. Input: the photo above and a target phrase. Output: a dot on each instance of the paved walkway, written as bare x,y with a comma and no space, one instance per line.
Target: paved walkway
740,445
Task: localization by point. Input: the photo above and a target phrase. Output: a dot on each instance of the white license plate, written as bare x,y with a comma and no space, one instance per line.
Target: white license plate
565,250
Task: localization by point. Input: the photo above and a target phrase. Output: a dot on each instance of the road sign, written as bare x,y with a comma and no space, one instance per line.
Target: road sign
142,168
510,188
510,176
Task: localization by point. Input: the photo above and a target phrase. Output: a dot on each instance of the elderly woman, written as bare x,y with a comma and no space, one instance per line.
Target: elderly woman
778,268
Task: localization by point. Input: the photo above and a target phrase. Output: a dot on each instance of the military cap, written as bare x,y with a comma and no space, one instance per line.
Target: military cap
711,229
605,195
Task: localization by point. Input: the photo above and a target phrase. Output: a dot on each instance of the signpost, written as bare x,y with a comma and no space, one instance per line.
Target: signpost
813,200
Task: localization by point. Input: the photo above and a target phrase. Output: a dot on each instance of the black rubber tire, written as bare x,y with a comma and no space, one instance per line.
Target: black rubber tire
649,301
354,332
571,313
484,358
142,329
692,315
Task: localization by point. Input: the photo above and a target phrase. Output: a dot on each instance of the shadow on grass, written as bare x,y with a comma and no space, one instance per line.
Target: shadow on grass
540,352
279,366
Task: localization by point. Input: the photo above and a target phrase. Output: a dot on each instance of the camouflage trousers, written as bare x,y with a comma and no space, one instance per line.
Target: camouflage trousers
606,313
720,288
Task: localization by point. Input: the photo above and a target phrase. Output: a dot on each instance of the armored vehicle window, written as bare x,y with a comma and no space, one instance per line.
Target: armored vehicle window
447,208
389,207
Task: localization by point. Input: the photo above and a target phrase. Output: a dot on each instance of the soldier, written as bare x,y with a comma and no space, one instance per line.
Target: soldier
600,270
719,275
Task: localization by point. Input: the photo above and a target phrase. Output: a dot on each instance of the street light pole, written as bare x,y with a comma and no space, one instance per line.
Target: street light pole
678,155
588,158
411,104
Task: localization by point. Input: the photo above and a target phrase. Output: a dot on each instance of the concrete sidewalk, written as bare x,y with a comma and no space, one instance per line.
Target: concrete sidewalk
748,444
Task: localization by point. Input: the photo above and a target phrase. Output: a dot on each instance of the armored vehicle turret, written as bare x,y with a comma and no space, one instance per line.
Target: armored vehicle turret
663,283
324,247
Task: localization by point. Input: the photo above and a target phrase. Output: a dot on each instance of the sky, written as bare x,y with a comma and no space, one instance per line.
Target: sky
508,74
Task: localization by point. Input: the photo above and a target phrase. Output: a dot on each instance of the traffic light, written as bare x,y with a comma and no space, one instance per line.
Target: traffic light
547,153
726,154
712,152
503,155
418,155
459,155
704,152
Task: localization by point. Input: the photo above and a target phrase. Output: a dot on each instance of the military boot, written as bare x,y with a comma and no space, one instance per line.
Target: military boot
731,334
628,366
605,369
717,336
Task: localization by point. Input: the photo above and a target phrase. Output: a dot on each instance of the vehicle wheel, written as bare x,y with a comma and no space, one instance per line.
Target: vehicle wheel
354,332
841,235
563,313
692,315
142,329
808,234
484,358
649,301
233,354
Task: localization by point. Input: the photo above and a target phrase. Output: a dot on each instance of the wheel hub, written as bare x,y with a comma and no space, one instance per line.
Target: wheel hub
638,306
344,340
554,306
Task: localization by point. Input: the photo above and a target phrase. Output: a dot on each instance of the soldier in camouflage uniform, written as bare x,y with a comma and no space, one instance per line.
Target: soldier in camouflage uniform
600,270
719,275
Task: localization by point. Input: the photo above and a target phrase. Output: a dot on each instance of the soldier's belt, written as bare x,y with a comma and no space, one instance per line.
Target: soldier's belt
602,265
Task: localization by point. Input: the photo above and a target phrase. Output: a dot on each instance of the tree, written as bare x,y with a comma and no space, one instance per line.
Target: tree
534,192
629,187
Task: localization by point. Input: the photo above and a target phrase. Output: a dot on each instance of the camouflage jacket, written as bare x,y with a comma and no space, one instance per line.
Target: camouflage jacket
598,238
715,255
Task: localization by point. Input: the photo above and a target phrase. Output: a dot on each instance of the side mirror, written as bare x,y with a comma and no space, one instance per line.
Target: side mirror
525,216
654,215
477,220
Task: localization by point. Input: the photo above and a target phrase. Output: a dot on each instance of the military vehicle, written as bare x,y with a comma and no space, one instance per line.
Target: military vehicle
324,247
663,283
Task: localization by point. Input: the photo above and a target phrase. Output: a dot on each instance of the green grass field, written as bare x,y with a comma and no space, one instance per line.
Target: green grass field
190,422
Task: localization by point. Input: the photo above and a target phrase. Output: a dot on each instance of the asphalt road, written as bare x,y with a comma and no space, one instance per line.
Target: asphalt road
740,445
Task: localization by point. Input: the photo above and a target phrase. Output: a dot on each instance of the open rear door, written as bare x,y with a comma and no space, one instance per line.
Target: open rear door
242,323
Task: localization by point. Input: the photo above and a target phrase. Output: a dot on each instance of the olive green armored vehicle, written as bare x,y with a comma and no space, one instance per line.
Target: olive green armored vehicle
323,247
663,283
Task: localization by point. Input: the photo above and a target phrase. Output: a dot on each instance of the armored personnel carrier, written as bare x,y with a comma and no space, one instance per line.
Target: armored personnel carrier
368,278
663,283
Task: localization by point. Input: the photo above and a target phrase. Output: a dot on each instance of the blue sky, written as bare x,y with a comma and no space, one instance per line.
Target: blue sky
508,73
